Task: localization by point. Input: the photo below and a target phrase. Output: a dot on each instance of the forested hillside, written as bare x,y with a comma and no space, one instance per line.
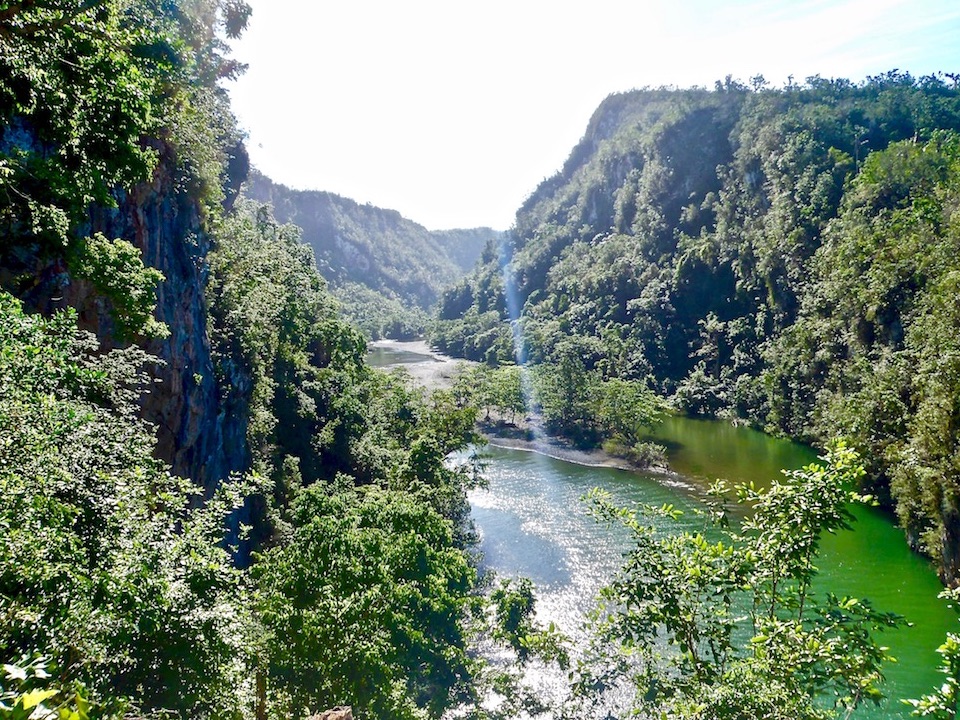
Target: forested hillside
386,270
786,256
210,507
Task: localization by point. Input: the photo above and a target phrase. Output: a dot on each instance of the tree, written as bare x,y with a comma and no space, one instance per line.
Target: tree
563,393
731,628
364,607
107,567
624,409
944,703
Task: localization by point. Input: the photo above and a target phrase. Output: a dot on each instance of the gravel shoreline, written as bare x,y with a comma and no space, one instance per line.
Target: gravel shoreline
555,449
437,371
433,372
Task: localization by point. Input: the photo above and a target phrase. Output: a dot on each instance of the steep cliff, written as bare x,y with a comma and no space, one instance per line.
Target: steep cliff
156,336
113,166
200,432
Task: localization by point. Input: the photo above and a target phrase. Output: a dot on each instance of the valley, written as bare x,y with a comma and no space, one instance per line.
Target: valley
717,354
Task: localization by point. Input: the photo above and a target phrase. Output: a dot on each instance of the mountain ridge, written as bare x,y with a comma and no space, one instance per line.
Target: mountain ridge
387,270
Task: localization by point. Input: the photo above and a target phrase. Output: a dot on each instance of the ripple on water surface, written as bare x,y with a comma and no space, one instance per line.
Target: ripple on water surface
533,523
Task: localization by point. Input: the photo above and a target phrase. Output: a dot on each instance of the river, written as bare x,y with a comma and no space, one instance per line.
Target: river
532,523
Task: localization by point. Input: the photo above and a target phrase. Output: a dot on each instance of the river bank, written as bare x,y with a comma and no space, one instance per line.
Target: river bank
432,370
427,368
556,449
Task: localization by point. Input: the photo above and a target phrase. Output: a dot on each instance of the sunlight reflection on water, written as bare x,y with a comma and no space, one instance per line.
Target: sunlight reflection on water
533,523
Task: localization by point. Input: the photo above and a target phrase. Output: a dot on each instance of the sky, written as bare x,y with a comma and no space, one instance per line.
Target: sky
453,111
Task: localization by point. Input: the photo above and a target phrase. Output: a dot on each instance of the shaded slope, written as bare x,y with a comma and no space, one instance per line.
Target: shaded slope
386,270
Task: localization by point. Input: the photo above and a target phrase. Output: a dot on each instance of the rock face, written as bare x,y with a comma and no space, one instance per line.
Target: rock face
201,428
198,432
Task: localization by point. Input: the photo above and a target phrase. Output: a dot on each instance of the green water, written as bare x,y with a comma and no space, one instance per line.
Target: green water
870,561
533,524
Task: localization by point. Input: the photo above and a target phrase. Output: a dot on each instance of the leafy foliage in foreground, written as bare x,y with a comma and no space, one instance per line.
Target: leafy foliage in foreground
361,583
28,691
104,566
731,628
114,574
372,583
113,570
944,702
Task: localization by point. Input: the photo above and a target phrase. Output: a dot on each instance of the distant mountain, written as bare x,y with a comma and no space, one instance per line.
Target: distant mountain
387,270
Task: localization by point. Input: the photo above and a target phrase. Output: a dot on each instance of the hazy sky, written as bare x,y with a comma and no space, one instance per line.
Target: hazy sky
452,111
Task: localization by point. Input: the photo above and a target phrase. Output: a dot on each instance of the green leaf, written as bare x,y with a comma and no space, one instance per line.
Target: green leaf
35,697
